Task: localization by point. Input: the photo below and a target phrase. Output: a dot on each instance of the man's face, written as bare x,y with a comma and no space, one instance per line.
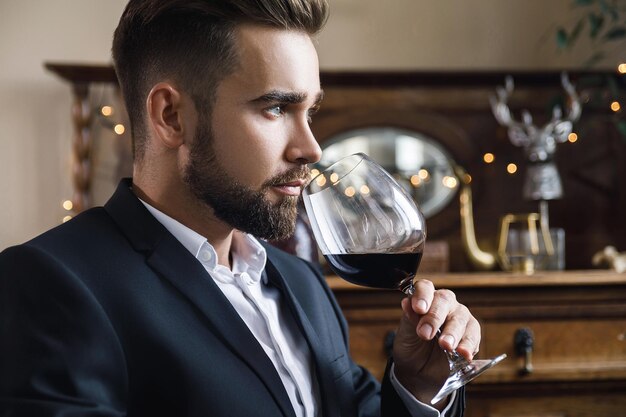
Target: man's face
248,163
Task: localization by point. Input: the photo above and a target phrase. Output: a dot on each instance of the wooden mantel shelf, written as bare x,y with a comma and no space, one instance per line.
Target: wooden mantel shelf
83,73
104,72
506,279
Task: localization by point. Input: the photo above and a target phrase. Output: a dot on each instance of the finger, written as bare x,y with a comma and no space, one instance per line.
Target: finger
408,311
423,296
455,327
444,301
470,342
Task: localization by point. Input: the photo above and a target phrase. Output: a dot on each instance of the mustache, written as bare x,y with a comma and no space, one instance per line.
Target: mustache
300,173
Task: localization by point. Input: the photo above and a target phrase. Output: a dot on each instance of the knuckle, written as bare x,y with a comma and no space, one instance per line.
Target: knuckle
459,322
435,314
446,295
425,283
465,312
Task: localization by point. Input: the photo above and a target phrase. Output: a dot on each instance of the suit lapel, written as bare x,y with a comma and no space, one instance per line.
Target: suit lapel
171,260
322,357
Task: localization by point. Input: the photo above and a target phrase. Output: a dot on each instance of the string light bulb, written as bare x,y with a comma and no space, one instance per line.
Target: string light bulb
615,106
489,157
449,182
106,111
511,168
572,137
119,129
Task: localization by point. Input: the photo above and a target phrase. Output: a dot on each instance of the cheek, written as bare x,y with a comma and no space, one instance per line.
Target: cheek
248,153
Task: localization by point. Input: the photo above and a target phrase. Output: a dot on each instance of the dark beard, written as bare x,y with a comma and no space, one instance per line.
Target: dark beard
240,206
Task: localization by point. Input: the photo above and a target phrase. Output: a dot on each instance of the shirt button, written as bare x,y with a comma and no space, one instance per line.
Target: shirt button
205,256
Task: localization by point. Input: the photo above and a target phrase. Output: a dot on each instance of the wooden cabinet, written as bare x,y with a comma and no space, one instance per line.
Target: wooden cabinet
578,326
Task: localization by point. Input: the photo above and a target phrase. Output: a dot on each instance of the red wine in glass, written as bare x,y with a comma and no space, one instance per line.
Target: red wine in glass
376,270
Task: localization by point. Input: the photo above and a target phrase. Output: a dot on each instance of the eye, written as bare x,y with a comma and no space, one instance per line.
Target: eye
275,111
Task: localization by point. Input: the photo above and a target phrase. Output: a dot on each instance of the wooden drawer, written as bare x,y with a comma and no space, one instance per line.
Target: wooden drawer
547,400
578,322
564,350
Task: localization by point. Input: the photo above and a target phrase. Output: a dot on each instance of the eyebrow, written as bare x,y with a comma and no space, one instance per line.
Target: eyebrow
287,97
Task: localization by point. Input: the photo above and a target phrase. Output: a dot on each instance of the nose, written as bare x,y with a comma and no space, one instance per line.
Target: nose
303,147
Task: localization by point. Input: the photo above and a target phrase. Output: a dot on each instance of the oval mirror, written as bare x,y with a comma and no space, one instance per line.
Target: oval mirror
417,162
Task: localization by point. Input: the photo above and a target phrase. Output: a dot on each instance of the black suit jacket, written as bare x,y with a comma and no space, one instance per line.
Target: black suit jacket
109,315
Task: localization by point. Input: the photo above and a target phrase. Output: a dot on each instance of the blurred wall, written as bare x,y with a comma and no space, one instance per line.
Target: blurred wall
35,129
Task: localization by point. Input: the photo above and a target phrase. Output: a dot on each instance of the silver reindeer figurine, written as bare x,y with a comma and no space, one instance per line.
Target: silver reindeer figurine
542,181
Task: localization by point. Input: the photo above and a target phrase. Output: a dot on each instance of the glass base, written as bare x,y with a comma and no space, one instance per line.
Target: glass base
462,376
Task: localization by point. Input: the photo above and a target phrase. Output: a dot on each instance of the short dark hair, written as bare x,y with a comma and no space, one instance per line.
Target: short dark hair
190,42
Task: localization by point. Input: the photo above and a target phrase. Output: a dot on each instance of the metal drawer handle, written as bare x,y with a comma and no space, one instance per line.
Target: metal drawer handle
524,342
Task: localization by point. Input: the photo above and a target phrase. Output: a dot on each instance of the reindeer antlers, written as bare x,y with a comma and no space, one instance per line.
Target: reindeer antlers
525,133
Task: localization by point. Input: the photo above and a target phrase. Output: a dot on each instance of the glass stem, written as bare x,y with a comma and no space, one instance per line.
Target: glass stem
407,287
457,362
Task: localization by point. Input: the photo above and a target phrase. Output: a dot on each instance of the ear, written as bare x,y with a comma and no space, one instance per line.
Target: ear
165,105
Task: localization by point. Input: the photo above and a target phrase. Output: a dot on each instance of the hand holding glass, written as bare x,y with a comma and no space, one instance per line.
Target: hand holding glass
372,234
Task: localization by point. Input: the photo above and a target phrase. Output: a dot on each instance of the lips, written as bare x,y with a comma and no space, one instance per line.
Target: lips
293,188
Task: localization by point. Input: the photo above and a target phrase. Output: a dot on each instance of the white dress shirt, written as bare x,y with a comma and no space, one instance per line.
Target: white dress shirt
259,306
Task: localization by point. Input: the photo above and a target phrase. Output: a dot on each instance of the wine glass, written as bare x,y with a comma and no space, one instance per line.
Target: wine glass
371,232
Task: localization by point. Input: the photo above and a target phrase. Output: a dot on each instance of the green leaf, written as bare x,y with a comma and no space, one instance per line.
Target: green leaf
609,9
615,33
561,38
595,24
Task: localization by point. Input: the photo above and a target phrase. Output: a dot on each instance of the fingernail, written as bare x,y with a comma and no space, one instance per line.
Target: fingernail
426,331
448,339
421,304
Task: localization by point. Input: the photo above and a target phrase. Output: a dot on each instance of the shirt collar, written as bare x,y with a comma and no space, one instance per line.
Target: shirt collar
249,255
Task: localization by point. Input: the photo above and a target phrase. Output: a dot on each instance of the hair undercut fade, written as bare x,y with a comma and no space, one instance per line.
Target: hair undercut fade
191,43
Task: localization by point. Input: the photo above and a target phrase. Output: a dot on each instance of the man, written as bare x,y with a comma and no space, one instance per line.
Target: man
162,302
